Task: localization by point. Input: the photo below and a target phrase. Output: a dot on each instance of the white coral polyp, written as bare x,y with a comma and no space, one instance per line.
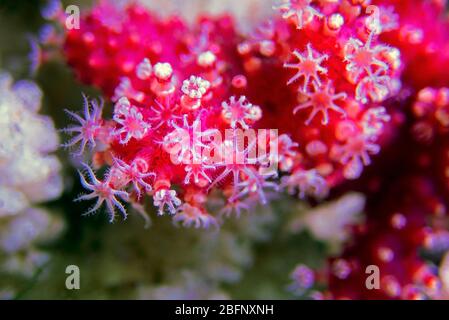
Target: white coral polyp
28,173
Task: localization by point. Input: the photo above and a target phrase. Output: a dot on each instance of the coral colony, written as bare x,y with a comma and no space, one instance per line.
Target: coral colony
180,117
304,104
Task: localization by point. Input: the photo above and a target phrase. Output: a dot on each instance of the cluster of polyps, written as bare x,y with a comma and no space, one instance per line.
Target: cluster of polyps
405,233
321,63
179,123
431,110
401,224
167,80
149,157
420,33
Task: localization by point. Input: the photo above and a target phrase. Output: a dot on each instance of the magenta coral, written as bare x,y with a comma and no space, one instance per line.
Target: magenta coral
407,212
323,65
348,84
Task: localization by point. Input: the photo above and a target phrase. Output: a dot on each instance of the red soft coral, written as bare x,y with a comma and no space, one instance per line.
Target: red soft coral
178,114
323,78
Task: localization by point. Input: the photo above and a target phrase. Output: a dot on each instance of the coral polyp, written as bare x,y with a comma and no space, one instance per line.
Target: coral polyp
308,67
